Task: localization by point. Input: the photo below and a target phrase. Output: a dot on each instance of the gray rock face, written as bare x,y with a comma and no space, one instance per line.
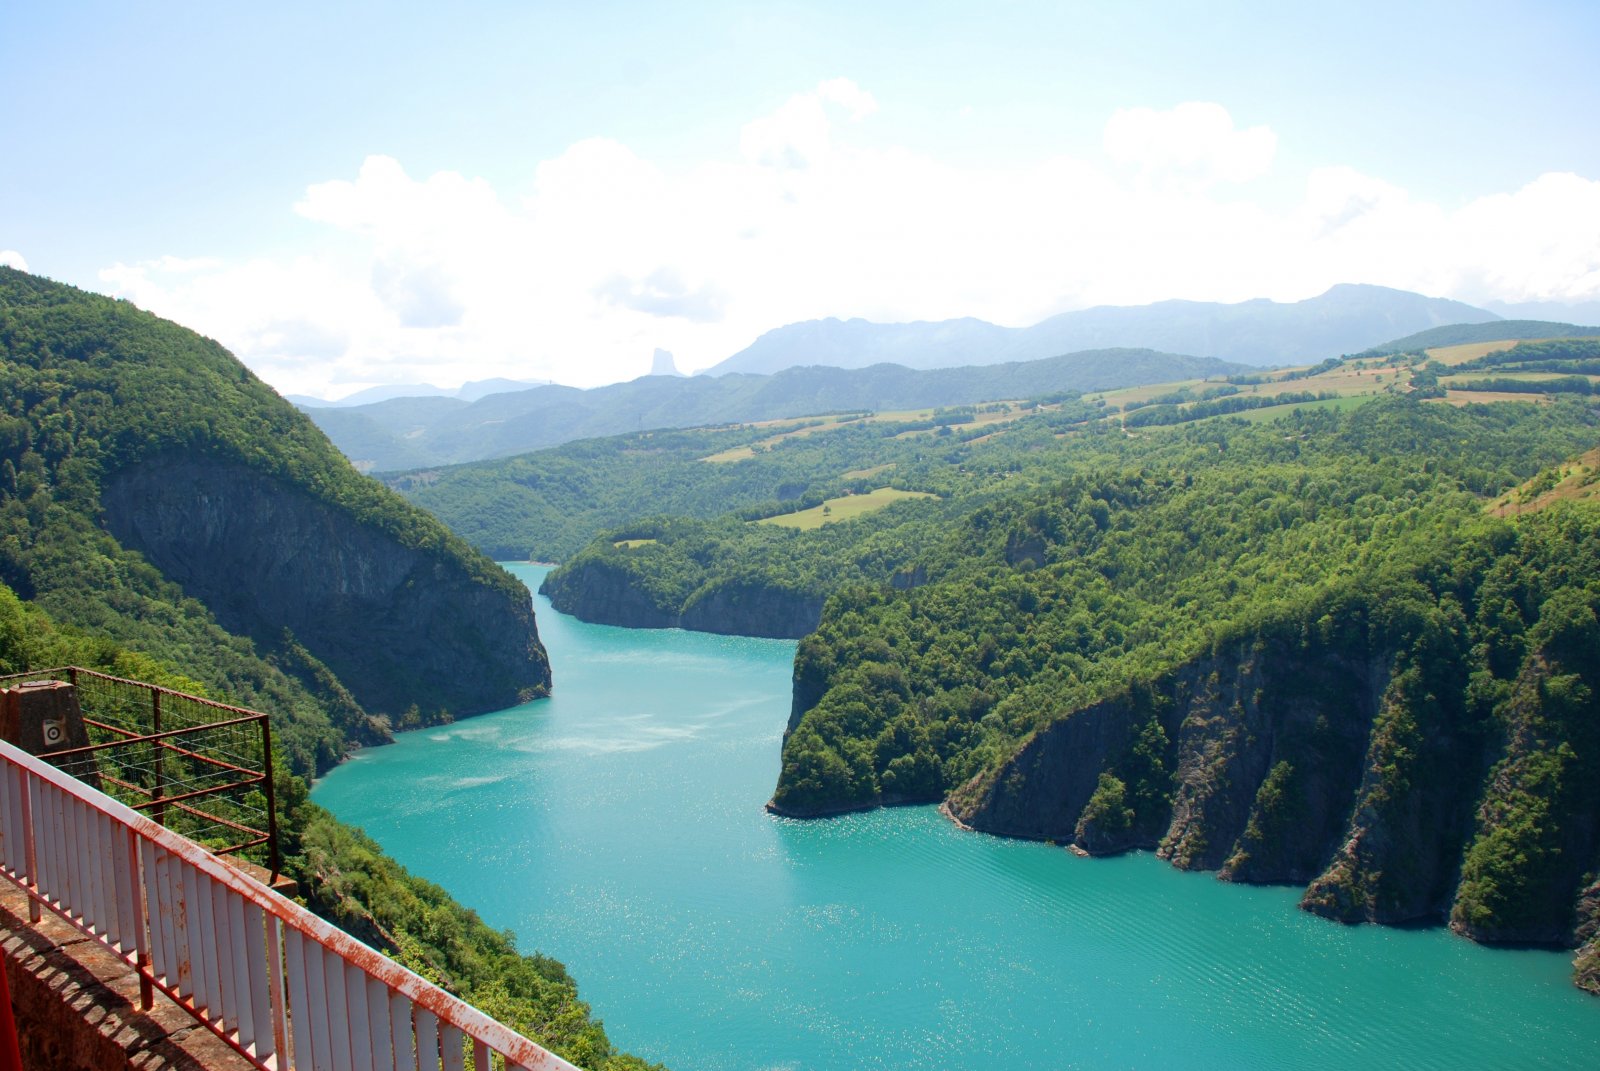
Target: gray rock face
1231,716
1045,786
752,609
399,626
604,595
1266,755
1306,765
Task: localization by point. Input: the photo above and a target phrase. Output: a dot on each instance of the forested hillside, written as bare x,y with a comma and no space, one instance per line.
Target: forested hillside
102,401
1290,649
153,491
1494,331
549,504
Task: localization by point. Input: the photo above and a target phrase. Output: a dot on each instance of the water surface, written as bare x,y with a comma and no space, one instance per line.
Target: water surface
618,827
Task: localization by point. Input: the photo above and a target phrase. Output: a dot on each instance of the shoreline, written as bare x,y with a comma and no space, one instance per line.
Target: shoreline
773,808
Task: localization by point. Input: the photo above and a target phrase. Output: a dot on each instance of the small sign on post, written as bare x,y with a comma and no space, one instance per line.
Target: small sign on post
42,718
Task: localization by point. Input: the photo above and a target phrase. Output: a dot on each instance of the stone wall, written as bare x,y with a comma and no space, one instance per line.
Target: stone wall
77,1005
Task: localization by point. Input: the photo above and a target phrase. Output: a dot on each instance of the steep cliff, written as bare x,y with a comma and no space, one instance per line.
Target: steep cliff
398,626
1378,760
601,590
156,493
1263,742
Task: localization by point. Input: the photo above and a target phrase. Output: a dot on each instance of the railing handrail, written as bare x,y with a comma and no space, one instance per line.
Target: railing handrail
485,1032
73,672
95,701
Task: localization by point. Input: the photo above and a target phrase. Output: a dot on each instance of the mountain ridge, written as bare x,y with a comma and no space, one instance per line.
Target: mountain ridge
1344,319
418,432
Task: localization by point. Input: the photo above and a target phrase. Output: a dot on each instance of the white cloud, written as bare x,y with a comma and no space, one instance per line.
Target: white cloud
664,293
1195,142
606,256
799,134
13,259
1539,243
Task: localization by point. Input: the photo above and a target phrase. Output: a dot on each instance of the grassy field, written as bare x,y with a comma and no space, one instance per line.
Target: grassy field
989,413
1577,479
1273,412
844,508
1124,395
1483,397
629,544
1468,377
1354,378
1469,351
1353,381
792,429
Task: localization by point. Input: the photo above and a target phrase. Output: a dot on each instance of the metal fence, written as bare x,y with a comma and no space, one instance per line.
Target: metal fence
201,768
284,988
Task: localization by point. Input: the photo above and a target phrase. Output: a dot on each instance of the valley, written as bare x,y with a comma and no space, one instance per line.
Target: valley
1330,626
1181,617
811,536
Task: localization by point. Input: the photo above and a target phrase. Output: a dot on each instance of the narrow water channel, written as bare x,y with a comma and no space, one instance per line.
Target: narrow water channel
619,828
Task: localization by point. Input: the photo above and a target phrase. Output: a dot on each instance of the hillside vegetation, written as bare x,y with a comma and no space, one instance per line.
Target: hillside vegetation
701,564
1495,331
155,492
346,878
95,390
1292,642
546,505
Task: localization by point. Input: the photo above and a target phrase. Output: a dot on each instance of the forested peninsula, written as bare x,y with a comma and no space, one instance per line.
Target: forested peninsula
165,516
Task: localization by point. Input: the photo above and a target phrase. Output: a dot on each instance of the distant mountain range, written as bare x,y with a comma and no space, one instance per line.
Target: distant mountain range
1346,319
467,392
1583,312
824,365
409,433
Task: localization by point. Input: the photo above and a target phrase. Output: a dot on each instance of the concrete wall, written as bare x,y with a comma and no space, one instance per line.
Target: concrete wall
77,1005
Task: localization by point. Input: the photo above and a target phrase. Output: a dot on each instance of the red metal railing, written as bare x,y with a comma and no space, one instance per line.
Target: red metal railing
286,989
195,765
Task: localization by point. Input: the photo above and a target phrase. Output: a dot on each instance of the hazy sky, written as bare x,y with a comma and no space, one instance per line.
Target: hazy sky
350,194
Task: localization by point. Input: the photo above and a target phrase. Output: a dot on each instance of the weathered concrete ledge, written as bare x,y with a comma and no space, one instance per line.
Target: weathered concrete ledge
77,1005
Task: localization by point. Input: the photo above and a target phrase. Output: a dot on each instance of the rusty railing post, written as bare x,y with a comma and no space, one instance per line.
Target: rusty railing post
159,790
274,861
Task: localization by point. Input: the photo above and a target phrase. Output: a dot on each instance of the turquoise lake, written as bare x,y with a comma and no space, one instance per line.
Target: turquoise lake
618,827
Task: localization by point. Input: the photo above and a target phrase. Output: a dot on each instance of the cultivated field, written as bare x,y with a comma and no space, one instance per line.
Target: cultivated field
844,508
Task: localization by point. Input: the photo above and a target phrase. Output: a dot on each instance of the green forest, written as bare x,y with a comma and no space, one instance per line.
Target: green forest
91,386
1071,565
1267,627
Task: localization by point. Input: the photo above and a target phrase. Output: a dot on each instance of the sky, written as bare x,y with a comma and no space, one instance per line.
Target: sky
348,195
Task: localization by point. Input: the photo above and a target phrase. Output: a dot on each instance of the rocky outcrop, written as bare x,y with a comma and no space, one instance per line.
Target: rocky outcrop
605,593
1362,774
1265,752
399,625
813,668
1586,965
1537,825
752,608
1041,792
